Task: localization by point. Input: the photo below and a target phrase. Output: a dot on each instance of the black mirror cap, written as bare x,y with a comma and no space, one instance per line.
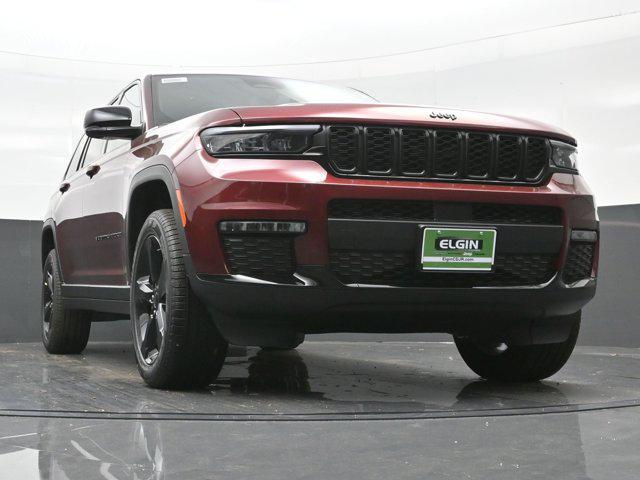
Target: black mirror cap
110,122
113,116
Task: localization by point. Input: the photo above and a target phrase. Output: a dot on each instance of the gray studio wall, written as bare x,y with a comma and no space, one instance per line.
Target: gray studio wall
612,319
20,277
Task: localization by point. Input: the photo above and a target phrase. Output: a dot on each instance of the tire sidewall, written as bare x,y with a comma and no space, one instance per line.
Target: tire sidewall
151,227
52,260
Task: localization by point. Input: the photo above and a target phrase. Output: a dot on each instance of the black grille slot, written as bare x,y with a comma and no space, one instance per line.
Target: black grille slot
509,157
399,269
579,262
537,158
446,159
478,155
379,150
343,148
268,257
414,145
420,153
425,210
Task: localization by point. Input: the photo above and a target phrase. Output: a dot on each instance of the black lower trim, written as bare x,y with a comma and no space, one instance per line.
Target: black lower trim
98,298
98,305
323,306
102,292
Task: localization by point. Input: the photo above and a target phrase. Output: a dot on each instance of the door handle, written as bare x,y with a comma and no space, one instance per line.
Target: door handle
92,170
64,187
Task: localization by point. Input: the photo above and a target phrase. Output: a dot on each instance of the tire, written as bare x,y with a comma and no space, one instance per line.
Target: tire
176,344
63,330
528,363
295,341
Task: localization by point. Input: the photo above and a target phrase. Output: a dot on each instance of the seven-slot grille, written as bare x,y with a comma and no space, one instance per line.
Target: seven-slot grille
398,152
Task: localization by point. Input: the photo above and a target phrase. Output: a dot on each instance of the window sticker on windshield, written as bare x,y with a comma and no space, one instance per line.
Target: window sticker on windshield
174,80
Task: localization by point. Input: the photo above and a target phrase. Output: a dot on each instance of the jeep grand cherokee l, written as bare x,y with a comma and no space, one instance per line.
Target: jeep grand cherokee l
253,210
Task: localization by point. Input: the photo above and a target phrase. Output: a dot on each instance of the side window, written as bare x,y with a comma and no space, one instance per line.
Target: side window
94,151
75,158
131,98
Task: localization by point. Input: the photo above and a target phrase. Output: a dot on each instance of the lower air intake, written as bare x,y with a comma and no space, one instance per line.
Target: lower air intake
399,269
267,257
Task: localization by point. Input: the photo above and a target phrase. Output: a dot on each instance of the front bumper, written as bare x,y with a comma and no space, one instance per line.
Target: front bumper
245,309
216,190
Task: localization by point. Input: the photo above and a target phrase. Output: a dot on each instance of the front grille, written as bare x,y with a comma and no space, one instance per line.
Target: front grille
399,269
579,262
268,257
397,152
425,210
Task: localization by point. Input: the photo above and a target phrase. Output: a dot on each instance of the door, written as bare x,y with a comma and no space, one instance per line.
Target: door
67,214
105,201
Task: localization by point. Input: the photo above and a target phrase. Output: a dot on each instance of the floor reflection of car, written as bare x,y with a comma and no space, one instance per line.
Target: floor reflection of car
494,446
216,209
282,373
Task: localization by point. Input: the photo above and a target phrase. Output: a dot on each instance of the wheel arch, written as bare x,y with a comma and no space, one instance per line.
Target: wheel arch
47,240
153,188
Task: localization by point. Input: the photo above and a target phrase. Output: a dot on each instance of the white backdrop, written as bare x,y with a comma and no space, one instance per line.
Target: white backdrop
571,63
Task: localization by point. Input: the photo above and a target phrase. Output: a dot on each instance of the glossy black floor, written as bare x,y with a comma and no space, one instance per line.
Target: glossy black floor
327,410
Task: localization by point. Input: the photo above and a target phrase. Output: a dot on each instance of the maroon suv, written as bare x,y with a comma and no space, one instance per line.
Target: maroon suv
253,210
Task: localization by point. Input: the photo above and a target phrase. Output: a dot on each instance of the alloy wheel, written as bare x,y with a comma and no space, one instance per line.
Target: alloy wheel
47,298
150,298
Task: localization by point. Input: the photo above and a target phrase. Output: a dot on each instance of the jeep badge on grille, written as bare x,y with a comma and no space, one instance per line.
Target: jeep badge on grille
447,116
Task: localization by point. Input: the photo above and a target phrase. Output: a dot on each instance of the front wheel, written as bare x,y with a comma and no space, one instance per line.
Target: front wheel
526,363
176,345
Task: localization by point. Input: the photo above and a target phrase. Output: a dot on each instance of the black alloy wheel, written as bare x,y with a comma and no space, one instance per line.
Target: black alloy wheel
176,344
47,299
150,300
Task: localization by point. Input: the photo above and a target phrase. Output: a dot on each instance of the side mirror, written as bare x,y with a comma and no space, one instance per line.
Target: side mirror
110,122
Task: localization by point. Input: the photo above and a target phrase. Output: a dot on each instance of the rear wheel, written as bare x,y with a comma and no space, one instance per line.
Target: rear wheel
63,330
518,363
176,345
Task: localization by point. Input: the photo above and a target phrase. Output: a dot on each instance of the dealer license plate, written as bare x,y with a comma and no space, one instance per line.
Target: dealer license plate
458,249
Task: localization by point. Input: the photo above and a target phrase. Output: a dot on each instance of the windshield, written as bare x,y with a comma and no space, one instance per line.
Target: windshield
179,96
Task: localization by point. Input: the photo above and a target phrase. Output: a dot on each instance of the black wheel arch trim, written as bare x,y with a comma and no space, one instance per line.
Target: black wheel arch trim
50,224
162,170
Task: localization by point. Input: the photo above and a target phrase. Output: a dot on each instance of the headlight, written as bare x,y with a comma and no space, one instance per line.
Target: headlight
564,155
285,139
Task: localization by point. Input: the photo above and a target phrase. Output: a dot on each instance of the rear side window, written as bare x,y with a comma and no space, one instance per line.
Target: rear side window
75,158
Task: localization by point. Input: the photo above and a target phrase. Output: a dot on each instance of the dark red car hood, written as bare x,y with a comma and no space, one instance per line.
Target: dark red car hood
396,115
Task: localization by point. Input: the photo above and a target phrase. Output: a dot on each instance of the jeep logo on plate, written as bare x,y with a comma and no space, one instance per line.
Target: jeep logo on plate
458,244
446,116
